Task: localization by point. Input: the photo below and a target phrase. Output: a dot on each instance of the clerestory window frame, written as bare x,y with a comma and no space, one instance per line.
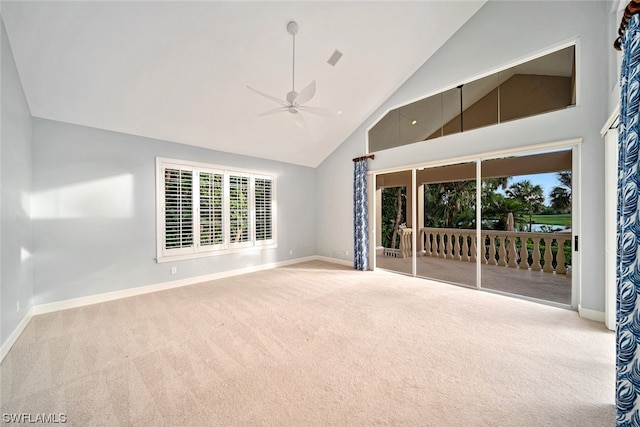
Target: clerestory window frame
207,210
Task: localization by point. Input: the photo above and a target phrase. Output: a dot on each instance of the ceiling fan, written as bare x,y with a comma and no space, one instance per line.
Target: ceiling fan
294,101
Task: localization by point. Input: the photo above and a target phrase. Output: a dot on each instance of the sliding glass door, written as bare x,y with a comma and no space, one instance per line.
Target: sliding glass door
446,236
512,235
526,225
393,231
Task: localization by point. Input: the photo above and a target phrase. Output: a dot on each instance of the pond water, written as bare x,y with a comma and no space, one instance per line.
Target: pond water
536,228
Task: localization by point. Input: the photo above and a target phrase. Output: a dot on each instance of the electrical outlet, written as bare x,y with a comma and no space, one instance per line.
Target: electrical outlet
18,305
291,252
174,270
346,253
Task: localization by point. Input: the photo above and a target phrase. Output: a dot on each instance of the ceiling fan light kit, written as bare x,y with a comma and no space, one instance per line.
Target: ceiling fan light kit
293,102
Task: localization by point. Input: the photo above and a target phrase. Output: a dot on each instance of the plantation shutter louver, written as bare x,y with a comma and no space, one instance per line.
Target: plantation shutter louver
264,214
178,212
211,209
239,209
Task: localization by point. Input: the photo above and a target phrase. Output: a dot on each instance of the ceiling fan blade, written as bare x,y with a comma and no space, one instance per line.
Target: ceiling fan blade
319,111
275,110
298,119
306,94
266,95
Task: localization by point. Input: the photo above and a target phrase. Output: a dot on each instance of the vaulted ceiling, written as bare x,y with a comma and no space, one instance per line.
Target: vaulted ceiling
179,71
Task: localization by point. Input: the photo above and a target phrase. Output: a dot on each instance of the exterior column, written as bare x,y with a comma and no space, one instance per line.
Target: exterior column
420,218
378,217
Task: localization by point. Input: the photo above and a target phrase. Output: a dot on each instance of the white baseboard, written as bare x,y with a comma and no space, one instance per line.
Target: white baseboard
588,314
4,349
141,290
125,293
334,260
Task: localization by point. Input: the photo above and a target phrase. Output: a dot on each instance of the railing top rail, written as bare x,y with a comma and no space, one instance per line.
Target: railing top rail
494,232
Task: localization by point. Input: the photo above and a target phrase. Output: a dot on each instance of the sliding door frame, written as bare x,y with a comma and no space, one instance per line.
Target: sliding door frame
573,144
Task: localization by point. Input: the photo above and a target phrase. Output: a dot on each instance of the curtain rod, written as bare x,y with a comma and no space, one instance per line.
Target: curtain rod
632,8
370,156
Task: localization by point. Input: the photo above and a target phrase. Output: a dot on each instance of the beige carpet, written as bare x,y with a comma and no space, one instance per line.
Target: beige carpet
314,344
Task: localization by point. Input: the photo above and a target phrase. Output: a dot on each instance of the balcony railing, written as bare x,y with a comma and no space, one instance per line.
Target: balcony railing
515,249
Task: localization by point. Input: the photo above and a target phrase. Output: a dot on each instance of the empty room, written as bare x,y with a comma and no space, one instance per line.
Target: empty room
319,213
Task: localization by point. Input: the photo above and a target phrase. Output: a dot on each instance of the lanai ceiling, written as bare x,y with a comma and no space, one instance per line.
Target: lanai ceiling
178,71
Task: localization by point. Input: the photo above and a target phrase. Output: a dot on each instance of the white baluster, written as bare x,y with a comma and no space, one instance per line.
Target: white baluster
502,260
492,250
524,253
513,252
451,245
535,266
465,247
548,256
474,249
560,258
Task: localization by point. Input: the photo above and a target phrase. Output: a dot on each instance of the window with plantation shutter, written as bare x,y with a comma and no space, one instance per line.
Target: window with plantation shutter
178,208
211,209
264,214
207,210
239,208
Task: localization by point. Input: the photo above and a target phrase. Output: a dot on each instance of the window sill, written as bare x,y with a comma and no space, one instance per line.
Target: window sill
182,257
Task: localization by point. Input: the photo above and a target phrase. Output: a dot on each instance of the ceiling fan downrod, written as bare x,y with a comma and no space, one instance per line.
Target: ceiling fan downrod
292,28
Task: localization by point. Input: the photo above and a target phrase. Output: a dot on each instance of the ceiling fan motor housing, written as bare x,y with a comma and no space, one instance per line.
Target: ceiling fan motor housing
291,96
292,28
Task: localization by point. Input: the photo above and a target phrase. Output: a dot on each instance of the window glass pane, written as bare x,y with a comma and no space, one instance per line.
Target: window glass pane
447,221
263,209
480,103
526,225
450,113
178,208
239,208
386,133
393,221
421,119
538,86
211,209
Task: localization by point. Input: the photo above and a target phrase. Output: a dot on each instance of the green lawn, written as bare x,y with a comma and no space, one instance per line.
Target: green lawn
561,219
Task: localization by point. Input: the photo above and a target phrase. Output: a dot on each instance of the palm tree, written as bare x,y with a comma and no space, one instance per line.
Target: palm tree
399,216
561,195
393,214
565,178
531,196
450,204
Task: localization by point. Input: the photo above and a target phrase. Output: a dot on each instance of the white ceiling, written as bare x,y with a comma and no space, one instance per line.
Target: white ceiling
178,71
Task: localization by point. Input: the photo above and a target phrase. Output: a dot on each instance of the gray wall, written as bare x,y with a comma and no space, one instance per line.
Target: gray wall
616,11
94,219
16,269
500,33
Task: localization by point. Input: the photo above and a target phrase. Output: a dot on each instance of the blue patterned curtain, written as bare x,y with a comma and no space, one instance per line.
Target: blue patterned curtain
360,216
628,236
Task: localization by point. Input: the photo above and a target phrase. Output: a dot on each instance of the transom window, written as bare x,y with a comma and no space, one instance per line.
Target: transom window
541,85
206,210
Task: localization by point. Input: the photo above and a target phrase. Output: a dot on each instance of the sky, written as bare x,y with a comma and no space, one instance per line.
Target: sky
545,180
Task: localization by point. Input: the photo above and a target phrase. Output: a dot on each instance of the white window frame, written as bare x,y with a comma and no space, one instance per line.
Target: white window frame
196,195
265,242
197,250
